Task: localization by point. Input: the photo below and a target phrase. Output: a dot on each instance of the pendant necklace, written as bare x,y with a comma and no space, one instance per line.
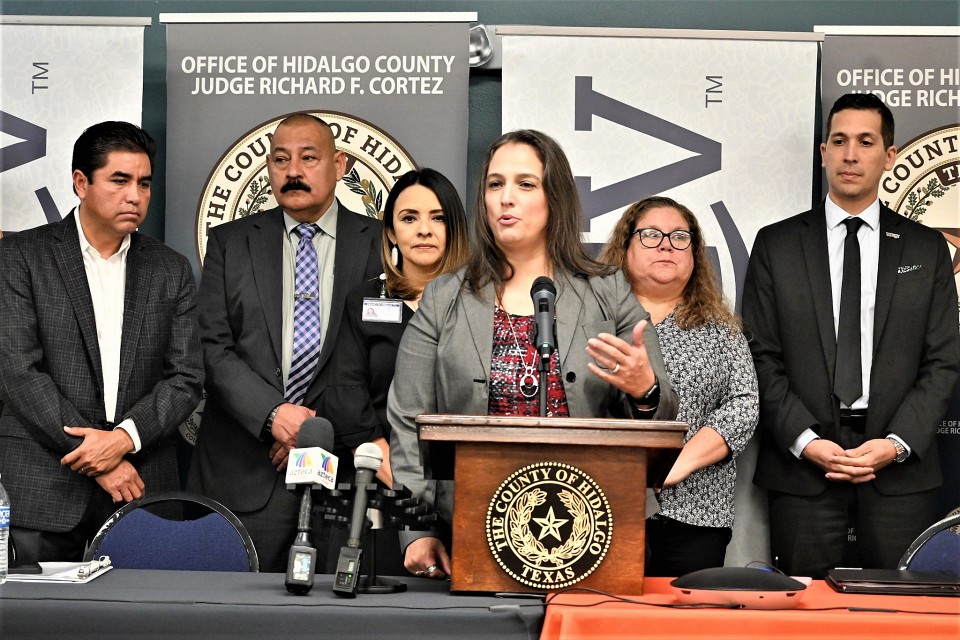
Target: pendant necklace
528,384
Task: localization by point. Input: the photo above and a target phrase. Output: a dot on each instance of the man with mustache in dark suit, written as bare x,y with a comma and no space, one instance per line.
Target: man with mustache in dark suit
271,300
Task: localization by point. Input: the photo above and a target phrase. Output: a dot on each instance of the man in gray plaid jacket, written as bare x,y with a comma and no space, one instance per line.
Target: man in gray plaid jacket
99,353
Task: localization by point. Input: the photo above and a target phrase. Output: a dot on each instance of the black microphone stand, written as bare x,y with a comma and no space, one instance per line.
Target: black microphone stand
544,369
371,582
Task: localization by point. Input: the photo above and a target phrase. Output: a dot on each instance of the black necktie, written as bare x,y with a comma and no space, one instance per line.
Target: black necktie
847,382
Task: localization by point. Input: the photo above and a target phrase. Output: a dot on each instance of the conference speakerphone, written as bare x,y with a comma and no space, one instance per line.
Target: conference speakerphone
739,586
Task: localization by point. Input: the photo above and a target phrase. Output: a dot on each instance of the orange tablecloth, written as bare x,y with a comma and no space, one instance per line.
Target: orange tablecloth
568,619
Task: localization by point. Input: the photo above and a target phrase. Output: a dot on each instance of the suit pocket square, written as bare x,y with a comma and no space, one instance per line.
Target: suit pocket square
908,268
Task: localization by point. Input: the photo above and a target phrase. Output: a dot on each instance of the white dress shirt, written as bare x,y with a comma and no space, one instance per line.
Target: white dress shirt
325,243
869,238
107,278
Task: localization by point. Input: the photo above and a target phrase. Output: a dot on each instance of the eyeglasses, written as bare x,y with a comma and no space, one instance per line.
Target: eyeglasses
652,238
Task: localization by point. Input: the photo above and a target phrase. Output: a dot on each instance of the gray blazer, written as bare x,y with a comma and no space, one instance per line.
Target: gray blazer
444,365
50,369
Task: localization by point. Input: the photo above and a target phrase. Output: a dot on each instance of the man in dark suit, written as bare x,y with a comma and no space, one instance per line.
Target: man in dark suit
99,353
261,384
854,381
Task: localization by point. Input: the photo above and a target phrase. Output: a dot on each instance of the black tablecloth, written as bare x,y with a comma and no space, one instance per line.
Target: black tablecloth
181,604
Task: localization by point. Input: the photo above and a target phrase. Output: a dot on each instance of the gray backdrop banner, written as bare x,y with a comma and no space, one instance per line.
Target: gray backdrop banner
918,77
394,93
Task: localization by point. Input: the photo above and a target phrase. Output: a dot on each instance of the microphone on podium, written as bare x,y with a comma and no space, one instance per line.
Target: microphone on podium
367,461
309,465
544,295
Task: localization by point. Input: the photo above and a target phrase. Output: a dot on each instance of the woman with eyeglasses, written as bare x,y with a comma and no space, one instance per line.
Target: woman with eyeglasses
661,250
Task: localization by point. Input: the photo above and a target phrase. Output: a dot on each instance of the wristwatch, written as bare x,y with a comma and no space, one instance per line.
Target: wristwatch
651,397
901,450
268,424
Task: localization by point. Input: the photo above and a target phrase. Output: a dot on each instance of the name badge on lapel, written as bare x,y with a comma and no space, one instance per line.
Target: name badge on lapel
382,310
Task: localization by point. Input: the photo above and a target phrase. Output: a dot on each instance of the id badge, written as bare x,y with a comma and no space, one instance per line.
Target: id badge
382,310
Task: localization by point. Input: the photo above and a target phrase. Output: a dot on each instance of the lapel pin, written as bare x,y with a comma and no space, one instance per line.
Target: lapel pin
893,235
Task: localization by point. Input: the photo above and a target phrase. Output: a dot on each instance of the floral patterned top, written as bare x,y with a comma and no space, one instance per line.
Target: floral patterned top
712,371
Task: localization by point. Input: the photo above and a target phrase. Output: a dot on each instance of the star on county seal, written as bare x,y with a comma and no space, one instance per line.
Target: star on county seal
239,184
924,184
549,525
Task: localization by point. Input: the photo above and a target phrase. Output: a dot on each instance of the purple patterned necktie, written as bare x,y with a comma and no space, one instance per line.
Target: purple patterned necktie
306,316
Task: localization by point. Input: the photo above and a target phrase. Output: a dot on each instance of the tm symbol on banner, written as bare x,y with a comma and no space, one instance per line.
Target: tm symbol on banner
42,74
714,93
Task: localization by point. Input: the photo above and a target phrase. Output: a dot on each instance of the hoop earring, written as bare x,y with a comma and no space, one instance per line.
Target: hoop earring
394,255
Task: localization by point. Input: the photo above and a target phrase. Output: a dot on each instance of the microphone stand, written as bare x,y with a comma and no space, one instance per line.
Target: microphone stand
371,583
544,379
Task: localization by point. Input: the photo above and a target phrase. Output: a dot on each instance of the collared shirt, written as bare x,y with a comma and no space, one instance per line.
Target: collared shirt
107,278
868,235
325,243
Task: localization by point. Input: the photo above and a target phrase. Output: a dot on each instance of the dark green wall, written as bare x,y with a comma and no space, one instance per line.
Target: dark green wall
753,15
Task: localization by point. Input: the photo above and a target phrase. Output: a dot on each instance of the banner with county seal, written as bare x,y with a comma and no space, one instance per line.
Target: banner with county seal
916,72
60,75
721,121
393,87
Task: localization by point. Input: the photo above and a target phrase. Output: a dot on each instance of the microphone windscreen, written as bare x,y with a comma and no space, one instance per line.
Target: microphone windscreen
368,456
316,432
543,283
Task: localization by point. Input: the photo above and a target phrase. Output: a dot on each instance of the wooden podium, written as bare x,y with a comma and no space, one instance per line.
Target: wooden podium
623,457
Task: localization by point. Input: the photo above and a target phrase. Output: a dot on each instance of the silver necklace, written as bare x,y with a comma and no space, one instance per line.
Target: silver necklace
528,384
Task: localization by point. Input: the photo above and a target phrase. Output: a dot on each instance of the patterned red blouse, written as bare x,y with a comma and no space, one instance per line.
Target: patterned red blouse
507,368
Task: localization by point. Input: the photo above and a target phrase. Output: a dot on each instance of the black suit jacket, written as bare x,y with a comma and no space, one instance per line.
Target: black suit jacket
788,314
50,369
240,327
361,371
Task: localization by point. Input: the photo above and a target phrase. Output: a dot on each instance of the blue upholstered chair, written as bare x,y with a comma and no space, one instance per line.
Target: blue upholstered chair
202,535
936,549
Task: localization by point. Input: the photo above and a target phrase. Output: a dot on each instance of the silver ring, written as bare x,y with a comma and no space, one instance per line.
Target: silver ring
615,369
430,570
419,573
82,469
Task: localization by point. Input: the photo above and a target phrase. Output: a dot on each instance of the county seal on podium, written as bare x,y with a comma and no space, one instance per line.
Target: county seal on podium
549,525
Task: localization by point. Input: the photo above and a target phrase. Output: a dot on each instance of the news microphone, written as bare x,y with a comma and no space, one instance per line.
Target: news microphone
309,464
367,461
544,296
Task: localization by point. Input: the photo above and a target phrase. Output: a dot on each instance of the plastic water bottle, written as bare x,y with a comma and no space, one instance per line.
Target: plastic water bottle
4,532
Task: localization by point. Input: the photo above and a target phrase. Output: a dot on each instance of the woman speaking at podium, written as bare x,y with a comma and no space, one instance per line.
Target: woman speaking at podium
470,348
